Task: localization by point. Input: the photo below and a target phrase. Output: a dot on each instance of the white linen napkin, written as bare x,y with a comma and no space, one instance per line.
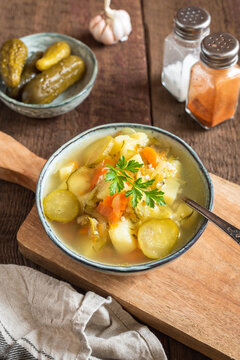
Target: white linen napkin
44,318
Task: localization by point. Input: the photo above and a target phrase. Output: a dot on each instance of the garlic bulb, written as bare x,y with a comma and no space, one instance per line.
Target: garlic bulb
111,26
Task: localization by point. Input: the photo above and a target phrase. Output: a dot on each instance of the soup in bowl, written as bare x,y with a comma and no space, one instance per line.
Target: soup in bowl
111,198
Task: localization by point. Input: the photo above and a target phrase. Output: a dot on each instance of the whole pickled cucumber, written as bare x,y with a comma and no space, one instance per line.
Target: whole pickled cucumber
13,55
29,72
45,87
55,53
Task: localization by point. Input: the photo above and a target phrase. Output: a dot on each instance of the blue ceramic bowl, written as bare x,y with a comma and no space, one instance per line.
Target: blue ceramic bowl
71,97
62,155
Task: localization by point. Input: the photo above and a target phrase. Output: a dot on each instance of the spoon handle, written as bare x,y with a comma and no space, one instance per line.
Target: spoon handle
224,225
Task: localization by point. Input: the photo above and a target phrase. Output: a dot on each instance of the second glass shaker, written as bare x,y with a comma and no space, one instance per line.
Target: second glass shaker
214,82
182,48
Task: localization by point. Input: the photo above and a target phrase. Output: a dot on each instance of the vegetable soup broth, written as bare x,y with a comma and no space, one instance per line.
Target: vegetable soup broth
193,186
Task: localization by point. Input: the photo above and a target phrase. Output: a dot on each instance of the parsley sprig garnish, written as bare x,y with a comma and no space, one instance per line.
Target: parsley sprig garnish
120,175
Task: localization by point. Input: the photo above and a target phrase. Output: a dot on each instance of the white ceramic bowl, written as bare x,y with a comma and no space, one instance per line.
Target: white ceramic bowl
71,97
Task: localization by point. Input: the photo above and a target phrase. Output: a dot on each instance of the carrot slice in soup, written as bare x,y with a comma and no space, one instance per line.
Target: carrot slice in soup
99,172
84,230
151,155
113,207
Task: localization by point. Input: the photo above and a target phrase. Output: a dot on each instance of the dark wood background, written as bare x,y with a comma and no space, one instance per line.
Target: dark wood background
127,88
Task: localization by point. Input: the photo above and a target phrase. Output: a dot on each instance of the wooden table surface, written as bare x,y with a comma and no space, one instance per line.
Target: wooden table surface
151,103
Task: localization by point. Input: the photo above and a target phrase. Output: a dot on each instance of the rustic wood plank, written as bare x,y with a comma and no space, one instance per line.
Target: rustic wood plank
219,147
194,299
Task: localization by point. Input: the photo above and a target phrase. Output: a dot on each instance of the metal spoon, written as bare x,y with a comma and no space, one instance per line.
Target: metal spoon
224,225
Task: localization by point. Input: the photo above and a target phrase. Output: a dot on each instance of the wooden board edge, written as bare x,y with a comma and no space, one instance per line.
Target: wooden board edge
145,318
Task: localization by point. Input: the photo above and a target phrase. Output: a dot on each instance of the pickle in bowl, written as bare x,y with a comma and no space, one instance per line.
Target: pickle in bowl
55,53
13,56
49,84
29,72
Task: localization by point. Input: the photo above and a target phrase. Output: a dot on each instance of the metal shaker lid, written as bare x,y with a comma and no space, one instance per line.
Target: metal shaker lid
191,23
219,50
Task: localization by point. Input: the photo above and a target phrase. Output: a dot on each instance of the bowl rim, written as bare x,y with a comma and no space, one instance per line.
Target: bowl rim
87,87
117,269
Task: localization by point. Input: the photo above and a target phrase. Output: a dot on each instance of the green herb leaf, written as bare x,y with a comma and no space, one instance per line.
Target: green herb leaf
136,196
110,176
133,166
154,196
115,187
125,174
144,185
119,175
122,162
128,193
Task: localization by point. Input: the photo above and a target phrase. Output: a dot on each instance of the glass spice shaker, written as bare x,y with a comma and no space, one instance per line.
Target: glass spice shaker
182,48
215,79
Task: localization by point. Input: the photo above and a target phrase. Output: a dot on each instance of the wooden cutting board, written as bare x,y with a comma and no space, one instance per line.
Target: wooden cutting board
195,299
